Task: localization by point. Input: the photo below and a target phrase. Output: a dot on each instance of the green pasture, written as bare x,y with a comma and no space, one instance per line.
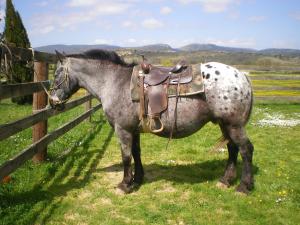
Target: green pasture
76,185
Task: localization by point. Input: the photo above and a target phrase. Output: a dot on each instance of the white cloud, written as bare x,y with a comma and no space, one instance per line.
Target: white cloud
152,23
102,42
128,24
80,3
70,21
212,6
295,15
42,3
46,29
111,8
102,7
165,10
131,40
256,18
234,15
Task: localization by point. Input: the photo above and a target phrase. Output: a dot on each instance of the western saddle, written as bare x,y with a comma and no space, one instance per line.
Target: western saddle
154,82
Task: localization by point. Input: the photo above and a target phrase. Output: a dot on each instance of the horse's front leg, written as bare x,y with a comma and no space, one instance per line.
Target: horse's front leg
125,139
138,167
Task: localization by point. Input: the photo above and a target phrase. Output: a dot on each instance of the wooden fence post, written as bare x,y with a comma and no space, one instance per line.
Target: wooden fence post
88,106
39,102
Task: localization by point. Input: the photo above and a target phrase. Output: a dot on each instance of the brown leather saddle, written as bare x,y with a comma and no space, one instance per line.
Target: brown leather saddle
154,83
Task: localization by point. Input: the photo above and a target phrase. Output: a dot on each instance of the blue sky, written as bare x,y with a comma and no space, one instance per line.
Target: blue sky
238,23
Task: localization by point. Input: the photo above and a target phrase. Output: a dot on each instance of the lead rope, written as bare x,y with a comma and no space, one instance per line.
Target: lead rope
6,63
175,113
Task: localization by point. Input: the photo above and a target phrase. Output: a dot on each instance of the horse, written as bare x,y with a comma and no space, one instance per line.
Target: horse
227,101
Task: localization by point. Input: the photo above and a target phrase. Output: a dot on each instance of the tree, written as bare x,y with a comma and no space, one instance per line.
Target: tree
15,34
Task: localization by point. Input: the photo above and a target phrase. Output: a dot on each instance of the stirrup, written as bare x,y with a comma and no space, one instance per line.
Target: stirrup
150,123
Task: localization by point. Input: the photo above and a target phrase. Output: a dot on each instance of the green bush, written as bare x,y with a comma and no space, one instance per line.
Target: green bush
15,34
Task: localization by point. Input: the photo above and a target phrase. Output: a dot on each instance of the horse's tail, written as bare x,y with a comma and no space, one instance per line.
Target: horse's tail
221,142
251,103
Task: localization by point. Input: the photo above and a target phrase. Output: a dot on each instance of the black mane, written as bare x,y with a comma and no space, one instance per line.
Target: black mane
100,54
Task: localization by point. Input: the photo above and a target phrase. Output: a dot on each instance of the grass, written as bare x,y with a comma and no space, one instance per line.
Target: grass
76,185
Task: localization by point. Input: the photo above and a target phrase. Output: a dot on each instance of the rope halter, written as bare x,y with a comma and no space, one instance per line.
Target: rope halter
65,81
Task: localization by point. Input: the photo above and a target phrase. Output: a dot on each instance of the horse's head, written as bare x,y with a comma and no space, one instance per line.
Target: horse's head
65,83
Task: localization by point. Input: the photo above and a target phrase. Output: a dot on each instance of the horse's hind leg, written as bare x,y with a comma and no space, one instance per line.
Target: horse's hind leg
230,170
136,153
238,136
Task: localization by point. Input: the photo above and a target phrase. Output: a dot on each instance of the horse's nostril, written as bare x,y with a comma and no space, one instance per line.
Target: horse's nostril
54,101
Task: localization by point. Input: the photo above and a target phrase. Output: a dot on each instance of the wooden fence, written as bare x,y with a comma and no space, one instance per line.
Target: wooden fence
38,120
274,98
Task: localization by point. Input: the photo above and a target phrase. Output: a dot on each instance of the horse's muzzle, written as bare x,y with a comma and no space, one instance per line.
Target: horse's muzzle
55,103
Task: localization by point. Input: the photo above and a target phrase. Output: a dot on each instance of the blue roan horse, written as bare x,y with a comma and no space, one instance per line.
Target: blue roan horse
227,101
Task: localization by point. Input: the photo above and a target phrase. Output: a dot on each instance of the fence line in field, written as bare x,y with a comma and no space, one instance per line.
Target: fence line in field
279,98
39,118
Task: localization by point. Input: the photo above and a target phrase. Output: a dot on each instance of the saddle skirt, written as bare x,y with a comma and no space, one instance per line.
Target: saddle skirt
187,86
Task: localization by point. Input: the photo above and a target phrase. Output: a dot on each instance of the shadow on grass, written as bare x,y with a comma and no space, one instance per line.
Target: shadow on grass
186,173
38,204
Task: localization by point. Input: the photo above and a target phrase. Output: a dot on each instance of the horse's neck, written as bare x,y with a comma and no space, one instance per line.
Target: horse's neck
105,80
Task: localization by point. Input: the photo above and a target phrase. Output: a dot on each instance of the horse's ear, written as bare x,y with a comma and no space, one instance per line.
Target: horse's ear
60,56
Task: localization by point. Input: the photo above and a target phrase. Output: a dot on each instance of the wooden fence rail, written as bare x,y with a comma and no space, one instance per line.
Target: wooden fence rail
14,163
16,90
274,77
9,129
38,120
275,88
288,99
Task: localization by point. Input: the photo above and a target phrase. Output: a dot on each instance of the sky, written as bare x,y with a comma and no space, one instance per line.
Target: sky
255,24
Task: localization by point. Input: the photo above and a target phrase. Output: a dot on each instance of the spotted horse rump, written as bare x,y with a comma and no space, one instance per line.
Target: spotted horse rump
228,91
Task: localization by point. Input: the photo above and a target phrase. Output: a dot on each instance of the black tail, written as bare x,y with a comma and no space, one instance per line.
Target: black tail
251,106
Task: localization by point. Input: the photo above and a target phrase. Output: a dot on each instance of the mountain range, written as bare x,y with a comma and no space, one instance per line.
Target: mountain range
167,48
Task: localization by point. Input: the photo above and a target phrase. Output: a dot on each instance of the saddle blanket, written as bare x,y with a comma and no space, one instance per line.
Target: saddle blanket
193,88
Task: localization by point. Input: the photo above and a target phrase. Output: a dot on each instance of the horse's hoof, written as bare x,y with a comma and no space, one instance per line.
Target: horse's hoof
125,188
222,185
242,190
129,188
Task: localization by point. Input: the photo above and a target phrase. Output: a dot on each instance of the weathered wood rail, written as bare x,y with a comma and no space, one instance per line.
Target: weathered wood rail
278,98
16,90
38,120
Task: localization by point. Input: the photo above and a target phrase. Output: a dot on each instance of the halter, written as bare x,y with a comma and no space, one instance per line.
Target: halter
65,81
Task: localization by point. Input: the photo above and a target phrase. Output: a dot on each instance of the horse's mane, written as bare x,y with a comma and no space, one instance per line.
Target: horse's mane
100,54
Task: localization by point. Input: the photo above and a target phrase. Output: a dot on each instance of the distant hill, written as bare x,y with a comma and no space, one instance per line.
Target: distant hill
164,48
212,47
69,49
156,48
283,51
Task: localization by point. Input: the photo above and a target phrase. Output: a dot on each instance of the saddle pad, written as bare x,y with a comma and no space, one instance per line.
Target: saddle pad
193,88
